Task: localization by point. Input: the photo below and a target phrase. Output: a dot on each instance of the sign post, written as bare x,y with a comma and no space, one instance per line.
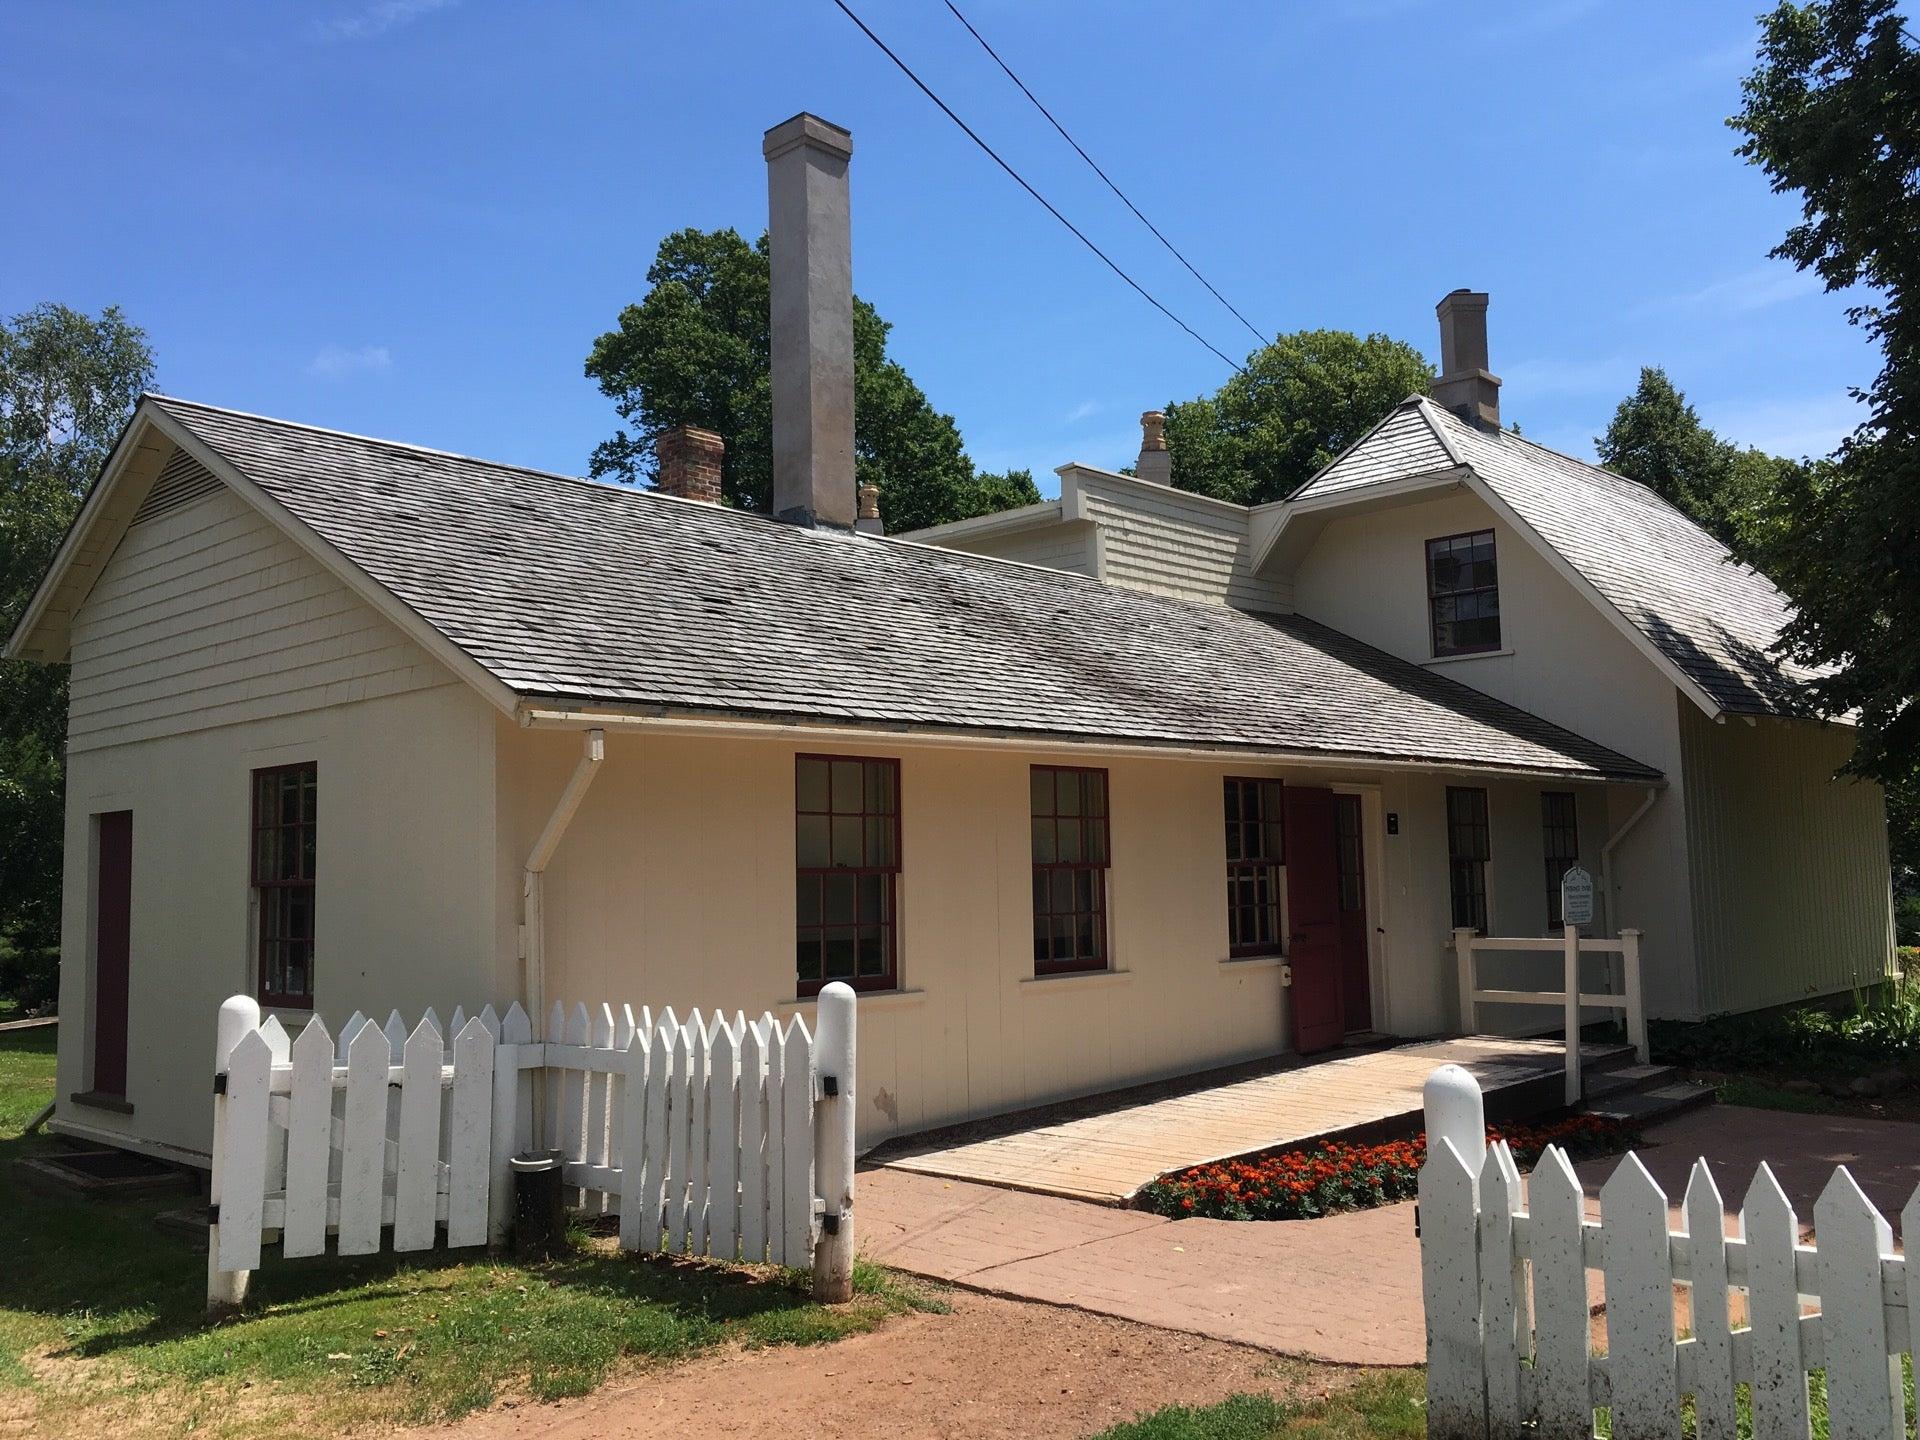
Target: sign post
1576,909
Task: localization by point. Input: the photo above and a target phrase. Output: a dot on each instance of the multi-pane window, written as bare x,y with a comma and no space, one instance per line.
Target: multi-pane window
1463,593
284,844
1469,846
1349,854
1069,869
847,848
1255,853
1560,829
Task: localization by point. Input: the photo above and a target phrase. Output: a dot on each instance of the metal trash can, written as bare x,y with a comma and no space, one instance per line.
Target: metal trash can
539,1211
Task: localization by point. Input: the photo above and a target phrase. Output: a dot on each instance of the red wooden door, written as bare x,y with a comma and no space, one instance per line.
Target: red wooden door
1313,920
1355,962
113,918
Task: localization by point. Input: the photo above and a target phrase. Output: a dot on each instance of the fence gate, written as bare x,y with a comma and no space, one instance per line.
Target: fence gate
1510,1347
710,1136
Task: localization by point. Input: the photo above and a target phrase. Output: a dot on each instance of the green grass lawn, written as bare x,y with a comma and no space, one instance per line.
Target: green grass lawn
1383,1403
101,1325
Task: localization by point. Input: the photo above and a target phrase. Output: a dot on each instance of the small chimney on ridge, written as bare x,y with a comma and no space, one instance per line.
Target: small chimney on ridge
811,242
870,522
1155,464
1465,386
688,463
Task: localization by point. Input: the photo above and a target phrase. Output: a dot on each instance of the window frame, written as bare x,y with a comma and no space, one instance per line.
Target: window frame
1471,868
1557,864
260,885
1435,596
1101,956
1244,868
889,875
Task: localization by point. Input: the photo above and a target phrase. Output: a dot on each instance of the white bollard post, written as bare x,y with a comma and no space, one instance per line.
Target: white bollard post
1456,1111
239,1014
833,1115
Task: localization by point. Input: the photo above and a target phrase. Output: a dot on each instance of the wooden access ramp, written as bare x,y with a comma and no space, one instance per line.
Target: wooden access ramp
1108,1156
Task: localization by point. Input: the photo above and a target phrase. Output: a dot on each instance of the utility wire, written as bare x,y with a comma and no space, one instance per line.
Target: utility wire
1019,179
1171,248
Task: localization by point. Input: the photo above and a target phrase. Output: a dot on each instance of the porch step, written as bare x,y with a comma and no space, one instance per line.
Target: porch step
1640,1094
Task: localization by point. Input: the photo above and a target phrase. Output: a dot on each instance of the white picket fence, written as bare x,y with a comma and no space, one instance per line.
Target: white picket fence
1509,1320
704,1135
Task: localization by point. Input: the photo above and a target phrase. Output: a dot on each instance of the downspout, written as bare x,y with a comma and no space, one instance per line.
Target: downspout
1606,857
533,938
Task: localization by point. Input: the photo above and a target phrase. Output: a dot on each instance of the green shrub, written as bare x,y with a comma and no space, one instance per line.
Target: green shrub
1877,1029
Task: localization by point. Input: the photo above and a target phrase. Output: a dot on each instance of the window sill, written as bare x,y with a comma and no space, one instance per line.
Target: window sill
1252,962
1469,655
1069,978
96,1100
862,999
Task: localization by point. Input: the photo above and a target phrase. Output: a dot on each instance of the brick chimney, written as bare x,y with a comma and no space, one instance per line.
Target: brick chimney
1155,463
688,463
811,242
1465,386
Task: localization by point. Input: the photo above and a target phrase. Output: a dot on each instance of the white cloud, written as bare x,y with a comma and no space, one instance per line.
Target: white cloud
1752,290
1081,412
380,17
336,362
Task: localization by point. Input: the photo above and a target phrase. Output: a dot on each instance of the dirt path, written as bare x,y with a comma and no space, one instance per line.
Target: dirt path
991,1368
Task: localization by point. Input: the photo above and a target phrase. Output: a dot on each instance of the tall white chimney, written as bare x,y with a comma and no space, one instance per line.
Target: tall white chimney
811,239
1465,386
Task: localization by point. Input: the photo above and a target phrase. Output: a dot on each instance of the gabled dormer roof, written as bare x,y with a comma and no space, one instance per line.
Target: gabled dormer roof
1710,622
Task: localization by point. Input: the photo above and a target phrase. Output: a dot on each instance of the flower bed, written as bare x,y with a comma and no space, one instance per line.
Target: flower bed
1329,1177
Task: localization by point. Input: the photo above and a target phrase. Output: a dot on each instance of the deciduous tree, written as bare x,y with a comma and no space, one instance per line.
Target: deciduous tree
695,350
67,384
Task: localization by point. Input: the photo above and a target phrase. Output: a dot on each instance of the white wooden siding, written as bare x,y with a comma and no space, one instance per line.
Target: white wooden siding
1789,865
1060,546
207,615
1170,543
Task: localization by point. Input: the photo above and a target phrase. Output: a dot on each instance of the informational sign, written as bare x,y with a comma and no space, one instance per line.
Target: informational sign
1576,897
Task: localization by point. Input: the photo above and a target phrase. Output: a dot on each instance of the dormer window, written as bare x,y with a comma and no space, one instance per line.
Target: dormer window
1463,594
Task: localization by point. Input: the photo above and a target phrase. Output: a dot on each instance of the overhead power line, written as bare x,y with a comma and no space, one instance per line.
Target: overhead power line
1020,180
1094,166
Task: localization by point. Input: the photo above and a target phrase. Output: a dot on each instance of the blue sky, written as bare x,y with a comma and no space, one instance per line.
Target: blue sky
411,217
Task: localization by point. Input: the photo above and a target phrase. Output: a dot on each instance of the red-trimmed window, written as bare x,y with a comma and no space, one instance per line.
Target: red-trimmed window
1560,833
285,841
1463,593
847,845
1255,853
1070,855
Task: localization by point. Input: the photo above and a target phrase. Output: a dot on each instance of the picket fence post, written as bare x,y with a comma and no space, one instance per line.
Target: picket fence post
239,1016
833,1116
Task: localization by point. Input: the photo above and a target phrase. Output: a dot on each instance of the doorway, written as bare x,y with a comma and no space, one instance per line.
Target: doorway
1356,955
112,939
1328,946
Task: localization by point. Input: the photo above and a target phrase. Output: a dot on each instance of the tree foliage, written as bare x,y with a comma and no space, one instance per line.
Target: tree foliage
1832,113
67,384
695,351
1299,403
1655,437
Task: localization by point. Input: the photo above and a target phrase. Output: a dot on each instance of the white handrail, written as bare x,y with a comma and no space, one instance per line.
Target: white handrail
1569,997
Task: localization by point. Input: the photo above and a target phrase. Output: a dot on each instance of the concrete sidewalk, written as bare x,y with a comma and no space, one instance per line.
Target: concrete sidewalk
1344,1289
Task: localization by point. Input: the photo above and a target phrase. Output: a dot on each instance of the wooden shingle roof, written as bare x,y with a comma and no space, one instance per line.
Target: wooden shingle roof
573,591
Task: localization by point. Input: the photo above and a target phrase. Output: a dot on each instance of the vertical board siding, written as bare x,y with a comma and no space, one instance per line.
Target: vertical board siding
206,614
1510,1337
1789,872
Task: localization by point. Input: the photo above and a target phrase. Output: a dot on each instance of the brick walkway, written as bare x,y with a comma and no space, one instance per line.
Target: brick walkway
1344,1289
